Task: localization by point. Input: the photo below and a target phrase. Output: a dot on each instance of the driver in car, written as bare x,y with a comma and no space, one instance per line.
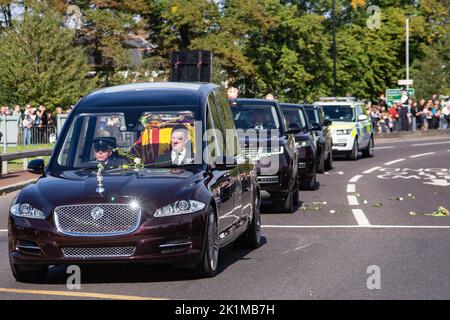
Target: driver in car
104,152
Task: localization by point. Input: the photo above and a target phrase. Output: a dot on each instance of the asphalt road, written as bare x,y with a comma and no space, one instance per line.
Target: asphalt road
370,223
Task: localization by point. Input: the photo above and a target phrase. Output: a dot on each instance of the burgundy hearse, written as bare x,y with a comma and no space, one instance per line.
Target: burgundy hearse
139,174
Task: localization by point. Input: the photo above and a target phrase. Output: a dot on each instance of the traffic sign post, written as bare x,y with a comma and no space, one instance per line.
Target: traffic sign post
395,95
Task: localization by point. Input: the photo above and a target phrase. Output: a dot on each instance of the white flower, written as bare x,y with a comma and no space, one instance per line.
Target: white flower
137,160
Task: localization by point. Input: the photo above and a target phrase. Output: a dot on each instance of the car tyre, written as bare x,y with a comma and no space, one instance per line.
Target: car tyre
251,239
310,184
285,204
208,265
321,163
28,273
353,155
369,152
329,161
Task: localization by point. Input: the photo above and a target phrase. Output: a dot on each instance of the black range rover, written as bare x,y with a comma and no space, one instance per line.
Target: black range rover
306,145
324,140
157,198
264,138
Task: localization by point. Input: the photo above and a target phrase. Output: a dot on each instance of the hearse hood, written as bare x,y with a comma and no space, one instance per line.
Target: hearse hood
155,187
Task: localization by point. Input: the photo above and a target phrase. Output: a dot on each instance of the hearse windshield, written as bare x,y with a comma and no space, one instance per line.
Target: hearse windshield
117,139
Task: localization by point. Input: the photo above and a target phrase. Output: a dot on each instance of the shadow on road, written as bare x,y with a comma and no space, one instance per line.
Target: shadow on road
143,273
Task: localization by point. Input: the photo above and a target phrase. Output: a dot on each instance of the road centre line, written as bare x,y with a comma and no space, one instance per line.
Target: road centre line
77,294
387,147
360,217
422,155
353,200
429,144
394,161
371,170
355,178
351,188
372,226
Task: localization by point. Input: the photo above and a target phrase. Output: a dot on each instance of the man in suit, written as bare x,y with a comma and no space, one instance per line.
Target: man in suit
179,152
103,148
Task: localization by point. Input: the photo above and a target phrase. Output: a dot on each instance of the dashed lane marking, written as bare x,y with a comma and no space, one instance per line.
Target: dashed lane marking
355,178
360,217
394,161
371,170
77,294
353,200
422,155
430,144
351,188
387,147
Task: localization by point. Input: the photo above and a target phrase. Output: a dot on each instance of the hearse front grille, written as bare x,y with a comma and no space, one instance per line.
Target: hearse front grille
97,219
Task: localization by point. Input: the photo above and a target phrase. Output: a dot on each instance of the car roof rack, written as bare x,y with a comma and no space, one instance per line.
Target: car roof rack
347,99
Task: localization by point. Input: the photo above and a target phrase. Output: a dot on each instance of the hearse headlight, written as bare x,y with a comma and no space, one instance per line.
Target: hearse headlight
179,207
25,210
344,131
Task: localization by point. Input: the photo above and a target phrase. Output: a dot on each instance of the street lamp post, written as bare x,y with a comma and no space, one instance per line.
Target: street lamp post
407,52
334,47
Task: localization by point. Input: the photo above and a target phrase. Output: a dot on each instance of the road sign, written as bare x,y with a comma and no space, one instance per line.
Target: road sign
405,82
395,95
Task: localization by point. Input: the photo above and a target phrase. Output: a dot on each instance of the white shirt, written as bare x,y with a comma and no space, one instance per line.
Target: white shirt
181,156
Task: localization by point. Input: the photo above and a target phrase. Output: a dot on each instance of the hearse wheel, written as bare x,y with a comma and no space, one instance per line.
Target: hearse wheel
208,266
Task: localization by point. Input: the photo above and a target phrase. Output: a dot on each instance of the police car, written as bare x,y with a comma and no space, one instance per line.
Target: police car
351,129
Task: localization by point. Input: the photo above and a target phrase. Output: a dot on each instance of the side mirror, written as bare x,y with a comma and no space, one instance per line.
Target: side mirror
362,117
36,166
225,163
327,122
316,127
294,128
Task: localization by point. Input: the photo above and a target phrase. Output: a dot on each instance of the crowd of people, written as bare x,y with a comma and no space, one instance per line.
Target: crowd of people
410,115
36,125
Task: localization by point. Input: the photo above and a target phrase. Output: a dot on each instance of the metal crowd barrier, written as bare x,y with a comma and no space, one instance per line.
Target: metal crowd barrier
37,135
25,155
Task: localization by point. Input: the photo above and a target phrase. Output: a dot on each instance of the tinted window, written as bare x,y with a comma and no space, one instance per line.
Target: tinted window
294,115
257,117
312,114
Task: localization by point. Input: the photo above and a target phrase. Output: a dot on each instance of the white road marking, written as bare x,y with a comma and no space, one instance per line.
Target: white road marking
388,147
360,217
353,200
297,248
3,230
351,188
422,155
429,144
371,170
302,247
372,226
394,161
339,173
355,178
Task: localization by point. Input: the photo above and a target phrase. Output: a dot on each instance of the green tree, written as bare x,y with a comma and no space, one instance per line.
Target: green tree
39,62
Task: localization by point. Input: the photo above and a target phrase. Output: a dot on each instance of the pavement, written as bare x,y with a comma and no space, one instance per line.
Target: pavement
368,232
15,181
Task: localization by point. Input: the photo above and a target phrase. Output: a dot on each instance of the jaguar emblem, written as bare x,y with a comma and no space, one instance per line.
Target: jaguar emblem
97,213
